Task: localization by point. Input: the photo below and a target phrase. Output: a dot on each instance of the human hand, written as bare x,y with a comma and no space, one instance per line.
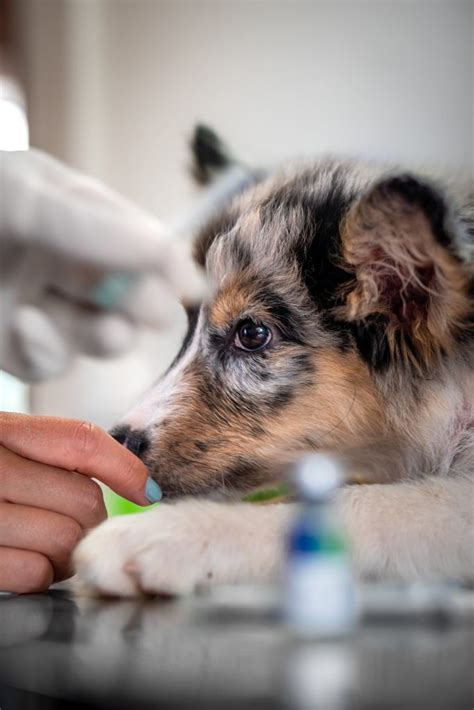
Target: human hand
48,498
81,267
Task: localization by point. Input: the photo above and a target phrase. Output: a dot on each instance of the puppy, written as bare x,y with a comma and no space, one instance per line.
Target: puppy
339,317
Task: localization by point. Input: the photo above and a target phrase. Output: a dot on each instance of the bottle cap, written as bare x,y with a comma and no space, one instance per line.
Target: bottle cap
317,476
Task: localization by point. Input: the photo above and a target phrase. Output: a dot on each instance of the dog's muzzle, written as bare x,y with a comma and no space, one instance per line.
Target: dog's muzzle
134,440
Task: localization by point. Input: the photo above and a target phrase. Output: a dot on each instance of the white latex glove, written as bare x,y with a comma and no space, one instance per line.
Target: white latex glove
80,267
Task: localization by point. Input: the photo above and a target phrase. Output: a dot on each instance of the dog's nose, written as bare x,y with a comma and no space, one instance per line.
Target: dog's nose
135,441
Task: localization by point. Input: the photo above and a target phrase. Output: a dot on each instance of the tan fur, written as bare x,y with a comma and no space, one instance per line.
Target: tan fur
231,301
339,409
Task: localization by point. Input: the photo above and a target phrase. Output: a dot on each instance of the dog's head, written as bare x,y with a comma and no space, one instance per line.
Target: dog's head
331,287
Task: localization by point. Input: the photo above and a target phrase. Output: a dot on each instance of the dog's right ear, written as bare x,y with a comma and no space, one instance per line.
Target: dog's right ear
225,177
409,298
211,166
210,155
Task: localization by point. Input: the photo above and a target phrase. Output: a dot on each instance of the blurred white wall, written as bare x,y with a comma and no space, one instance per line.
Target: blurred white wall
115,87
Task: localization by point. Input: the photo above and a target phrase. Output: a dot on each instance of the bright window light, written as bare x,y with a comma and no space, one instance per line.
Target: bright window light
13,126
14,394
13,121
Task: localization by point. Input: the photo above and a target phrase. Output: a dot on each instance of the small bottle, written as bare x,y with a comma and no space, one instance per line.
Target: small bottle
320,598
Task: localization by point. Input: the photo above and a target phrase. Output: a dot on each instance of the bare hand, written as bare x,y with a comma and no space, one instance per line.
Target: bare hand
48,498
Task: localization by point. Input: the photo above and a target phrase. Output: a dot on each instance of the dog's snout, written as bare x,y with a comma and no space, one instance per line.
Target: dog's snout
135,441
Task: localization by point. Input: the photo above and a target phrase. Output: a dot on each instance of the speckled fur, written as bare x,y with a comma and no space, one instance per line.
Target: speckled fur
365,276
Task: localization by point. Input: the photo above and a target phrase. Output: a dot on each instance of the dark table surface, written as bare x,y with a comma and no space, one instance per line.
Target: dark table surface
56,652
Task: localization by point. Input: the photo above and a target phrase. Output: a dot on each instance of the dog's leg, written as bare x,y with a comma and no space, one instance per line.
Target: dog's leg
408,530
412,530
175,547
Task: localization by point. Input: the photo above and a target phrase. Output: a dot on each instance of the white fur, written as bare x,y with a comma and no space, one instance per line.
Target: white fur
412,530
174,548
409,530
152,408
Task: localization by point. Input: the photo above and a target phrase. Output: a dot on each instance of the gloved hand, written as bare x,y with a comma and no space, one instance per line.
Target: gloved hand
80,267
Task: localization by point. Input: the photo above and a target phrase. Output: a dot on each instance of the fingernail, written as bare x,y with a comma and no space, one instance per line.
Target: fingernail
112,289
153,491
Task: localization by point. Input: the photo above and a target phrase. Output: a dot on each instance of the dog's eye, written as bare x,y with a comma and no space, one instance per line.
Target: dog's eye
250,336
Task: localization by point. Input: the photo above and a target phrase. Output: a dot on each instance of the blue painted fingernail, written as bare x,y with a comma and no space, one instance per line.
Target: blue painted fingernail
112,289
153,491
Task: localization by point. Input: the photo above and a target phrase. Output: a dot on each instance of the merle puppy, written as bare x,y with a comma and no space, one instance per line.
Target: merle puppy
339,317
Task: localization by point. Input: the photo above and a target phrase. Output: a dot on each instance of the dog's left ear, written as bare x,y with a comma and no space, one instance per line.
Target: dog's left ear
410,292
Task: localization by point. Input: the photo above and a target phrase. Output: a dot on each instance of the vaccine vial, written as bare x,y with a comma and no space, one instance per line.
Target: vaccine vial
319,585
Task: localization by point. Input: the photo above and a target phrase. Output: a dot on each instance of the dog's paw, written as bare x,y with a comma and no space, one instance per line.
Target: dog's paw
169,550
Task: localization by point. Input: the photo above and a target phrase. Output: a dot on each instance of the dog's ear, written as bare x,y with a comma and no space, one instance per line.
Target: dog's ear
409,298
214,166
210,155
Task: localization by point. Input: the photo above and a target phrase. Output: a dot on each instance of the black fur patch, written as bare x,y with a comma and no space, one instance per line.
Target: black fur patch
244,474
193,315
423,195
302,363
369,335
282,398
318,251
289,320
318,248
209,154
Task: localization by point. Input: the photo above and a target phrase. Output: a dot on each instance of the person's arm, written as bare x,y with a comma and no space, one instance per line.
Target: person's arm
48,498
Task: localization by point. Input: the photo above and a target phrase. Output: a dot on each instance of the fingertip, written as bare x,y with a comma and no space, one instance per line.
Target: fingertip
151,302
133,482
41,575
42,347
106,335
185,276
24,571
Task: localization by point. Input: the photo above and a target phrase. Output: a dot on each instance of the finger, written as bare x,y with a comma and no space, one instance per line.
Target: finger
34,484
148,298
24,571
76,446
53,535
86,329
186,279
151,302
42,349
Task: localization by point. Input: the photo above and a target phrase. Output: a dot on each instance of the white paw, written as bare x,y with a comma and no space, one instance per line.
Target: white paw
169,550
